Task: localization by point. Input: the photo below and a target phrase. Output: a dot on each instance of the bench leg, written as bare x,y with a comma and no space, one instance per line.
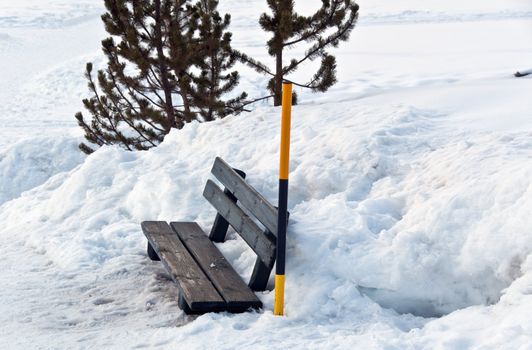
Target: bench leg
183,305
152,254
260,276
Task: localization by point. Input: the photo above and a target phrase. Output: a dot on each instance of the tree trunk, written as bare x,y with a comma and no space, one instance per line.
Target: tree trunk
168,103
186,102
278,80
211,98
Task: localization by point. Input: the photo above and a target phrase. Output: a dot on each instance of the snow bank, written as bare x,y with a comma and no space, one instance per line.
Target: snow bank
388,204
30,162
413,213
410,190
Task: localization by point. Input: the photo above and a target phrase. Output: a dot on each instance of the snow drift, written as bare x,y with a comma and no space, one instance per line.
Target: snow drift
410,190
384,200
388,204
30,162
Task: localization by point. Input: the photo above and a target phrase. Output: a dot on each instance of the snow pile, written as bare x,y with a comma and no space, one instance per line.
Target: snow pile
465,232
383,200
410,190
30,162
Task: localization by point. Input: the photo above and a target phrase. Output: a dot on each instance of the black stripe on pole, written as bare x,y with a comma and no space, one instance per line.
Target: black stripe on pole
281,227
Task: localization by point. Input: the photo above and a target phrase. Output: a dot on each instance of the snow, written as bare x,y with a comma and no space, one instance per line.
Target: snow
31,162
410,190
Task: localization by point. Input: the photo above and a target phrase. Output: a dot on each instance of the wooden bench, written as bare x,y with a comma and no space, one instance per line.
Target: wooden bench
206,281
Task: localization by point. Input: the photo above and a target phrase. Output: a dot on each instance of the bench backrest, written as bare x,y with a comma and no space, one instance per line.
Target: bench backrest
239,194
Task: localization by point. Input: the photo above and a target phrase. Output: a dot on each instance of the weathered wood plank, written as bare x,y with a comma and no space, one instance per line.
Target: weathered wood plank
220,226
199,293
261,244
235,292
247,195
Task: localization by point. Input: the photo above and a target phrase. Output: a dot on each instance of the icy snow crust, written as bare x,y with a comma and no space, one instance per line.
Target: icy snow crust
410,192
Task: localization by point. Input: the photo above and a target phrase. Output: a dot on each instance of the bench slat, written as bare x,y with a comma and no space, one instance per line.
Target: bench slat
247,195
248,230
235,292
199,293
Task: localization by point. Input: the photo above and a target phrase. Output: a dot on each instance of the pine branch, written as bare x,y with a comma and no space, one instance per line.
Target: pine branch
81,122
124,118
258,66
99,100
322,25
342,34
241,108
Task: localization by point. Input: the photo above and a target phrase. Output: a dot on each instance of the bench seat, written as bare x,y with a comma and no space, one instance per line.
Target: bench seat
205,279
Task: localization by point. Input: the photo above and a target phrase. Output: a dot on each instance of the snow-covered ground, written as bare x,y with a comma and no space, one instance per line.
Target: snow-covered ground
410,193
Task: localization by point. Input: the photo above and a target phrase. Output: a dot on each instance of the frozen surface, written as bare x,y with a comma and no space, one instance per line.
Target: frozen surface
410,190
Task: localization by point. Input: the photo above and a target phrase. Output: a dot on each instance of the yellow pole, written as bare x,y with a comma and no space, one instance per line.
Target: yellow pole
278,306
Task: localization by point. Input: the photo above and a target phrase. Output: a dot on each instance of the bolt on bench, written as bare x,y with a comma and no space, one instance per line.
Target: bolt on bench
205,279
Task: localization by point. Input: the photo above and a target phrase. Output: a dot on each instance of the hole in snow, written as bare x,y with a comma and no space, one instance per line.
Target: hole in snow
406,304
389,299
437,292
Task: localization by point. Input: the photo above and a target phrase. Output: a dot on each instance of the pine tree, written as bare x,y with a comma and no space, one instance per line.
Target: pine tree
215,58
327,27
148,86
